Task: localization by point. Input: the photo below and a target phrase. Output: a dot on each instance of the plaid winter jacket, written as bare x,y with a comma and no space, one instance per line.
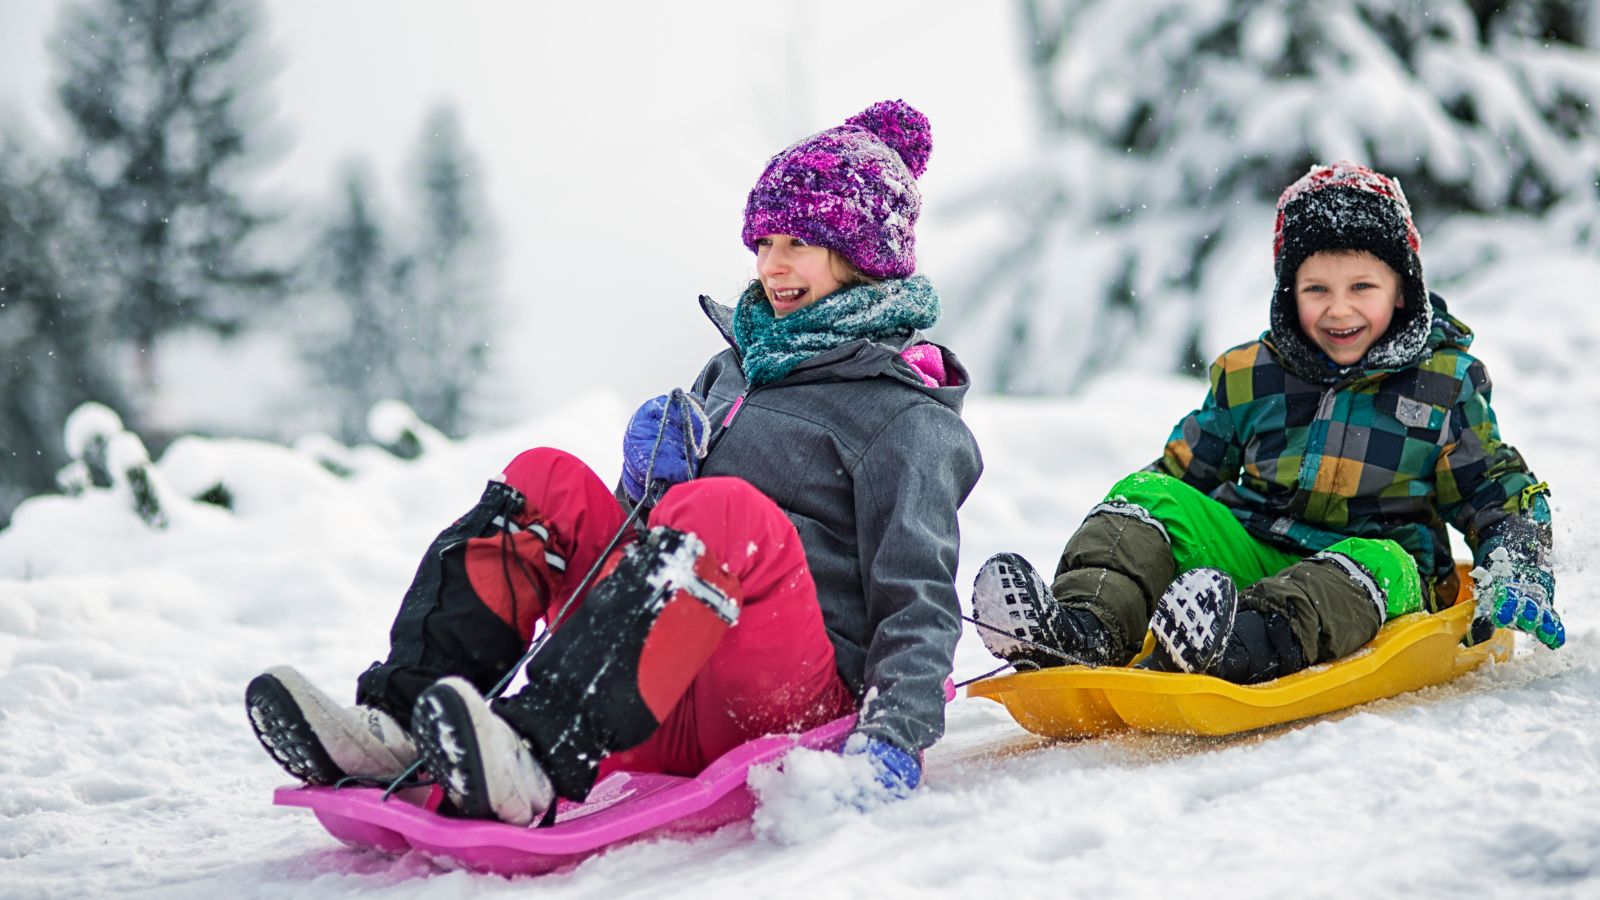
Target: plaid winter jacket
1385,453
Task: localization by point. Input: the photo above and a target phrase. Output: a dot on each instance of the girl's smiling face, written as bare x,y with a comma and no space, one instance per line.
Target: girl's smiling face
795,274
1346,300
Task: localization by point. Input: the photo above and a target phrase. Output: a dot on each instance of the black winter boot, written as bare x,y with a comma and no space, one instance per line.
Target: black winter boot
1194,618
1020,622
593,689
1261,648
444,627
1202,627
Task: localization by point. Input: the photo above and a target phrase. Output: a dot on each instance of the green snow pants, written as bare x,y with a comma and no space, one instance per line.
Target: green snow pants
1108,565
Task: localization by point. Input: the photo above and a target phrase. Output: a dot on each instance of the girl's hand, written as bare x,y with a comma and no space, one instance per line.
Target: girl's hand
663,444
897,771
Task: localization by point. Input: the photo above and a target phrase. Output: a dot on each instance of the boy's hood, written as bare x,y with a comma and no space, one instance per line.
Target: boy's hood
1411,338
859,360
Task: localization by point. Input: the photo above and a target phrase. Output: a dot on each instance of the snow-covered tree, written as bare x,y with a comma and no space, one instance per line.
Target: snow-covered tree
405,313
160,97
1169,126
445,281
354,336
52,324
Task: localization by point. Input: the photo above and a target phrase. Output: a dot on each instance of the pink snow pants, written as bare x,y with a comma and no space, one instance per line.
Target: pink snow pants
772,672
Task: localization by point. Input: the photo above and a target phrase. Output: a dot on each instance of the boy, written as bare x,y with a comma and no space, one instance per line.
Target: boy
1304,503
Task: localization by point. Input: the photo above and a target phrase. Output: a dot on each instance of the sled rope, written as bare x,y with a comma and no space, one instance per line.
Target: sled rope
367,781
989,674
697,447
1067,657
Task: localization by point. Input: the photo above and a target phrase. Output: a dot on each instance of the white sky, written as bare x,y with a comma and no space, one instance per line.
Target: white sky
617,140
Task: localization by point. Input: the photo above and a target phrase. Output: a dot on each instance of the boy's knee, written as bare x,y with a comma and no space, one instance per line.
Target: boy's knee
1392,569
1154,492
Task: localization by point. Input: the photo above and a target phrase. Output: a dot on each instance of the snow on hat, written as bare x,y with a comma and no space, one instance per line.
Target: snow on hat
851,189
1345,206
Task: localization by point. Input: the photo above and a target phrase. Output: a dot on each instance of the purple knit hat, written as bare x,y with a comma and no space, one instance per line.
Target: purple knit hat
851,189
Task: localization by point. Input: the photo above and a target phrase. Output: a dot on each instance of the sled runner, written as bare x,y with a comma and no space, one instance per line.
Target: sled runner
1410,652
623,806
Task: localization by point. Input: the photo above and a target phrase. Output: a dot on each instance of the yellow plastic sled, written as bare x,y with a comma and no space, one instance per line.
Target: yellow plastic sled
1411,652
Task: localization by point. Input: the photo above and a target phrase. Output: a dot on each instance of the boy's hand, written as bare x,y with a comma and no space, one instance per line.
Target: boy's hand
1524,601
1526,607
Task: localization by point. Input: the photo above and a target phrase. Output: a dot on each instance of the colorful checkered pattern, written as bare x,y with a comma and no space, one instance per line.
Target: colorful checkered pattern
1391,453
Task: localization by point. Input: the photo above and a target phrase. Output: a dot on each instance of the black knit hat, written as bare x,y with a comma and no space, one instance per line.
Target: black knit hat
1348,207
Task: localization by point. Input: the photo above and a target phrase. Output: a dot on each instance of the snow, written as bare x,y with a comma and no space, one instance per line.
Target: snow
129,766
127,761
89,422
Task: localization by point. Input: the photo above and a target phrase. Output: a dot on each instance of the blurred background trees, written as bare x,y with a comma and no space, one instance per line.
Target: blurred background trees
445,281
148,224
1171,126
53,320
405,312
161,97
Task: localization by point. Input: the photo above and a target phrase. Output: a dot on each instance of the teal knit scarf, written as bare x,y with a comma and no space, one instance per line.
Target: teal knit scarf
773,347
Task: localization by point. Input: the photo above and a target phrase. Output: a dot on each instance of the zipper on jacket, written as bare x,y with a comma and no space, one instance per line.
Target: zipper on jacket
737,403
1311,465
727,422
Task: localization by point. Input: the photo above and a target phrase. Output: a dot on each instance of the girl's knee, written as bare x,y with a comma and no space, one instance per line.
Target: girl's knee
711,504
532,469
731,516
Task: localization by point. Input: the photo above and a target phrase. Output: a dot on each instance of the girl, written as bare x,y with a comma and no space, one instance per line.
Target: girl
799,561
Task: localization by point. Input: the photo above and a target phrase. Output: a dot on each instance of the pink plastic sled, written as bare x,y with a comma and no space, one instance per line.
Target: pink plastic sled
623,806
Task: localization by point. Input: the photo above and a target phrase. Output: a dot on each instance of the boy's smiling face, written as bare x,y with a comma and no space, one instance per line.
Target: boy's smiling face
1346,300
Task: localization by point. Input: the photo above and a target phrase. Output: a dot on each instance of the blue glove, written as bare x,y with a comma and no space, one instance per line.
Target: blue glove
663,444
897,771
1525,601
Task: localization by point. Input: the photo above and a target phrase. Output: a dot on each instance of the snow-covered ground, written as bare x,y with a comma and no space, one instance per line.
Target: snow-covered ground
127,767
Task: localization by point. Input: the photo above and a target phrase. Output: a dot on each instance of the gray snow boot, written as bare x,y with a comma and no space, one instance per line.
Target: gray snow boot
483,763
318,740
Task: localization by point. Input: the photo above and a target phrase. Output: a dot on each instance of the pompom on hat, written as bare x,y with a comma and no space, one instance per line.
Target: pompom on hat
1341,207
852,189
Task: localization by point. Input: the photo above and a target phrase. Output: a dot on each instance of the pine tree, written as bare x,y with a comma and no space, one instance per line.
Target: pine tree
445,282
1170,126
159,95
52,326
355,337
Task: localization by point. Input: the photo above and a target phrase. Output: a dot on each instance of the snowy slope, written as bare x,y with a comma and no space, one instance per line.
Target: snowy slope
127,767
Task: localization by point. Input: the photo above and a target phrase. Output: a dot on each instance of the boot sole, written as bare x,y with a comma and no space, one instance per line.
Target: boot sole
1004,597
283,731
448,745
1193,636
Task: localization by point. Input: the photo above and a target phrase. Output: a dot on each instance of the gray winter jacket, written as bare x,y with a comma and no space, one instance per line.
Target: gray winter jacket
870,465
